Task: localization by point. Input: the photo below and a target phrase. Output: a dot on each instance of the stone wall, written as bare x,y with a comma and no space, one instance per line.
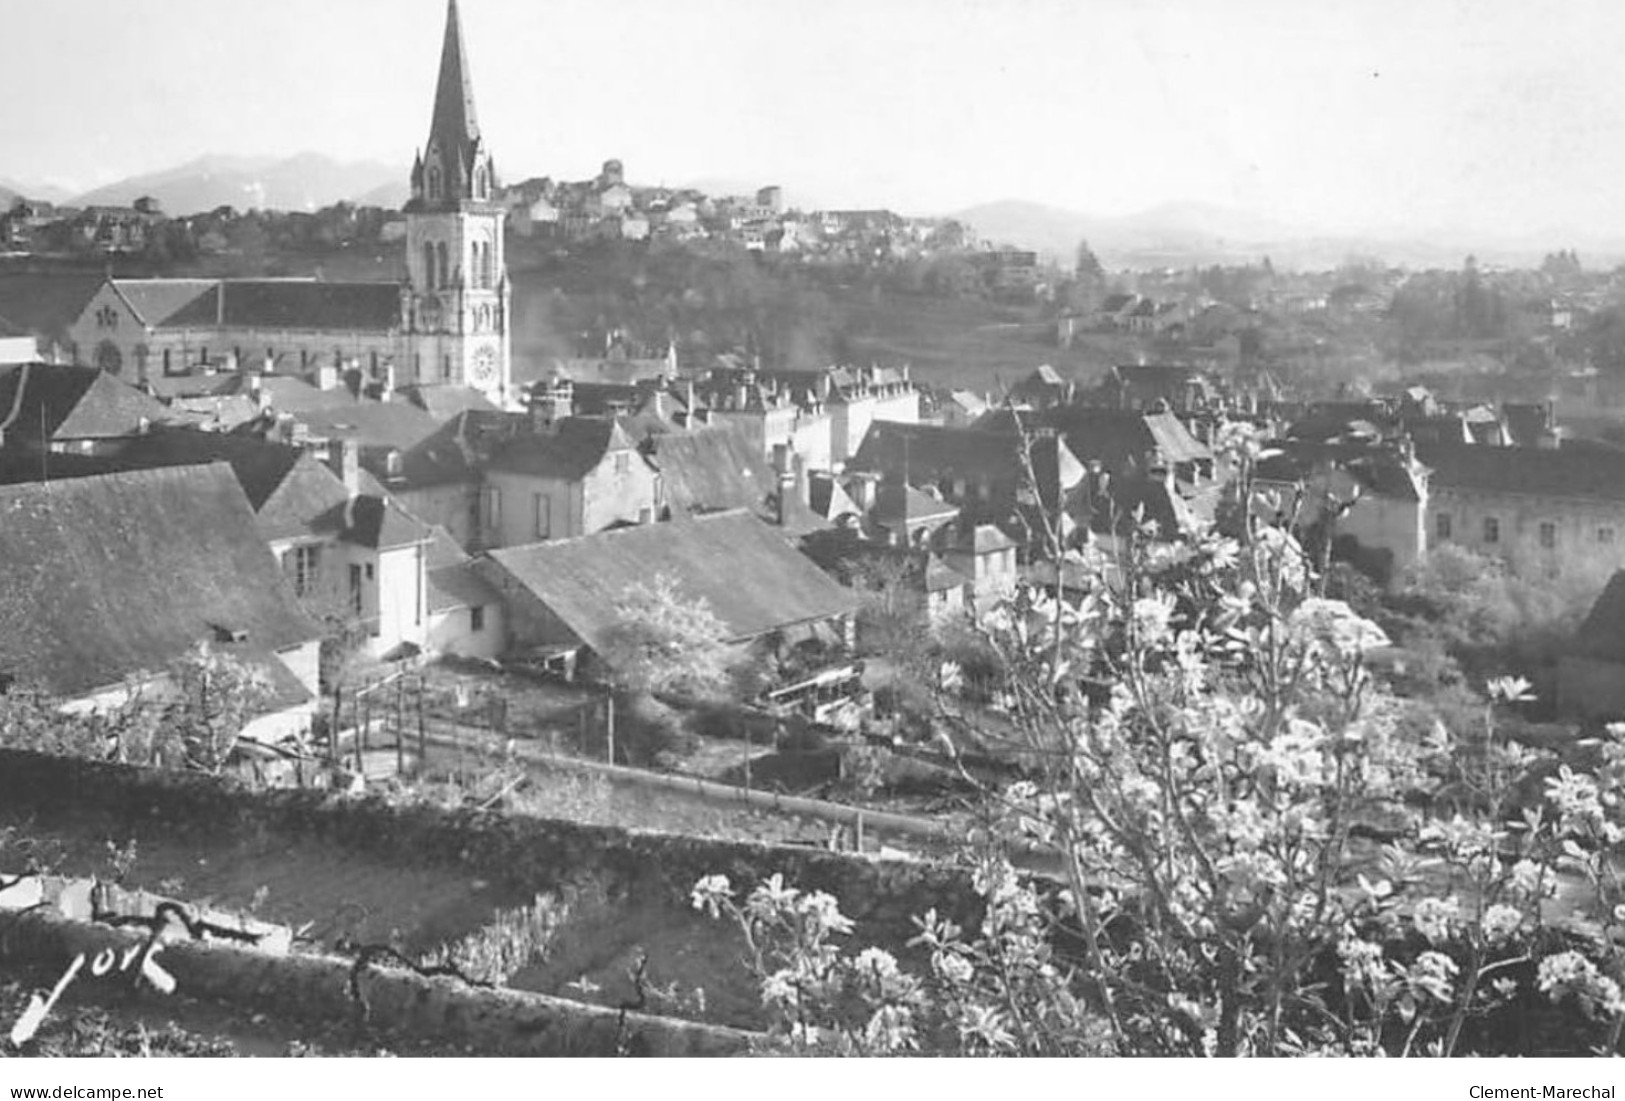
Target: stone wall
531,854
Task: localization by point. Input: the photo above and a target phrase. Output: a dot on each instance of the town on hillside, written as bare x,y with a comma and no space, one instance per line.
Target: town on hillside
495,619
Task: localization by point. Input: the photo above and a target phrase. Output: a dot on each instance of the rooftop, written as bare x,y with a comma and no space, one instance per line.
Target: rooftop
113,577
748,573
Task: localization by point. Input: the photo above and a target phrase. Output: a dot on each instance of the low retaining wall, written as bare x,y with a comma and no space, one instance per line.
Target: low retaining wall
531,854
316,988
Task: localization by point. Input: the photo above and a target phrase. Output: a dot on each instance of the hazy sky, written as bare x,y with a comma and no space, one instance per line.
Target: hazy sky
1495,115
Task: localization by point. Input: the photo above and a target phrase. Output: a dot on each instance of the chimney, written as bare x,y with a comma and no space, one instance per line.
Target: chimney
327,377
787,489
551,403
344,459
386,381
862,489
255,385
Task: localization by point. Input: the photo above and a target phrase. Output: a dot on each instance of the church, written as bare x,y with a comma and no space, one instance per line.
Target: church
447,323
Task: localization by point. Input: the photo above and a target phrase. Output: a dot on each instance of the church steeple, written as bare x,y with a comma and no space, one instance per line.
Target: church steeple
456,301
456,167
455,122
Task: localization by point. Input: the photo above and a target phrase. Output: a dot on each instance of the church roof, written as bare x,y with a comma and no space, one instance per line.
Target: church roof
286,304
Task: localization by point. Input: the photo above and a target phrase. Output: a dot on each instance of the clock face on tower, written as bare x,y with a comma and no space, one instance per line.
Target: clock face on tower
483,371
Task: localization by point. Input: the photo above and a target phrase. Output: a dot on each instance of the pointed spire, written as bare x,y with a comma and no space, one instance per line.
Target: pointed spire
456,163
455,122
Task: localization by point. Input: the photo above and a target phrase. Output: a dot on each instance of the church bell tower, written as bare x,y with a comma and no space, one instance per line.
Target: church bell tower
456,305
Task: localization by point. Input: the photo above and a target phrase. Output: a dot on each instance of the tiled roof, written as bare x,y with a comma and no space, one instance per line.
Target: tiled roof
1588,473
751,577
292,304
107,578
71,403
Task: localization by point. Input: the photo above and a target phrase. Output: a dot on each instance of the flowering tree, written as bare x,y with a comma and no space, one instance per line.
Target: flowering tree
664,641
1257,855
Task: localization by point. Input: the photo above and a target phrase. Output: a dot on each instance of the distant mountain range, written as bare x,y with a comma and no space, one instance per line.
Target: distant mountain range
1191,234
1170,235
308,181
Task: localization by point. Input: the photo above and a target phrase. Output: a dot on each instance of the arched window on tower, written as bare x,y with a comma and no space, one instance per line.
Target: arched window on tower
445,265
428,264
479,182
434,183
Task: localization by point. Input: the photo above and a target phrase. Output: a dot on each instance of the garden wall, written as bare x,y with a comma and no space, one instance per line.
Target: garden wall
530,854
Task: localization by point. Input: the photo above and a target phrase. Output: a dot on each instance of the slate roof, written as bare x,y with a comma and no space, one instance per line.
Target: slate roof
1379,470
1115,437
575,446
1602,635
1588,473
712,470
387,425
445,402
940,452
294,304
46,304
260,467
71,403
454,580
453,453
939,576
829,500
155,301
308,501
108,578
752,578
896,501
380,523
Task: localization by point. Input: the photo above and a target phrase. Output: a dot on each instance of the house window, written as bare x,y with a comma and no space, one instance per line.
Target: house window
166,361
623,462
493,508
476,618
1492,529
306,569
1548,535
1441,525
355,589
544,516
445,368
369,571
1605,536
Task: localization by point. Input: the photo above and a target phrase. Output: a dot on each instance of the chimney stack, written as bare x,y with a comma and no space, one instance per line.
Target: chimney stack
551,403
327,377
344,459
